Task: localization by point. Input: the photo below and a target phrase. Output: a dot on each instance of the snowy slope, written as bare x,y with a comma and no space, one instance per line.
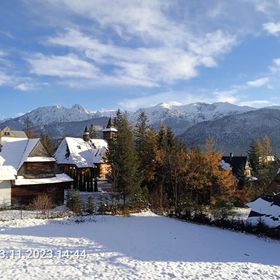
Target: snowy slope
141,247
54,114
180,117
235,133
194,113
191,113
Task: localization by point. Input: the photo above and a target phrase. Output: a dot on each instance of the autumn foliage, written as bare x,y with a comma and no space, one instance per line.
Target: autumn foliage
177,179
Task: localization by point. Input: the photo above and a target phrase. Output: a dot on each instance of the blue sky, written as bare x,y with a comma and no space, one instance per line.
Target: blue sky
136,53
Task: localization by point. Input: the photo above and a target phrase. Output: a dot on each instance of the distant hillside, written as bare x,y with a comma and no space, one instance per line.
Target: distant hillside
178,117
181,117
234,133
53,114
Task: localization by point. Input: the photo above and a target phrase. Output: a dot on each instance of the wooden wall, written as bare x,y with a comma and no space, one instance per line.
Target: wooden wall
83,177
32,170
24,195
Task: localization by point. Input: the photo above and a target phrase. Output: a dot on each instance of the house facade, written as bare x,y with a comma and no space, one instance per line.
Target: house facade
8,132
85,159
27,171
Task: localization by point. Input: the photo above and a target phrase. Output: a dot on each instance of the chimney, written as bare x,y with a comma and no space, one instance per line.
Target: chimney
230,156
86,134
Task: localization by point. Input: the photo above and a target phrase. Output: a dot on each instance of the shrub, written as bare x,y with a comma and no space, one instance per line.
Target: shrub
42,202
74,202
103,206
90,205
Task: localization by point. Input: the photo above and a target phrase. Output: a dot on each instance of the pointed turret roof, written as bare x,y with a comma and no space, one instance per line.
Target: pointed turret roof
110,123
110,126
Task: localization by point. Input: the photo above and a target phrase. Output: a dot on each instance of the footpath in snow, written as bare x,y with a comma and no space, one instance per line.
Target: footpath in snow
143,246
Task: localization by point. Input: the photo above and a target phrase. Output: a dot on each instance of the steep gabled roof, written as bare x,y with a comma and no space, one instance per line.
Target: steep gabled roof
15,151
81,153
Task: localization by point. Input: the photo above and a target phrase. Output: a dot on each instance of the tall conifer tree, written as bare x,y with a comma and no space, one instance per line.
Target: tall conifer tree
124,160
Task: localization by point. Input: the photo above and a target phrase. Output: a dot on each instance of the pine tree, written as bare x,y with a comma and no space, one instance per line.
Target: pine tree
254,154
264,168
145,144
140,132
124,160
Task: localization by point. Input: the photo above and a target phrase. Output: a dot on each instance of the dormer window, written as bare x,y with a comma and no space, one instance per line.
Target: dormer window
7,133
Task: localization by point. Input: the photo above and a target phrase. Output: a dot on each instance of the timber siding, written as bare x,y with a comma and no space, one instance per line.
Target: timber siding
83,177
32,170
24,195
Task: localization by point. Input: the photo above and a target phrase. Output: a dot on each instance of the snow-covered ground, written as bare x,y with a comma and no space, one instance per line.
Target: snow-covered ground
143,246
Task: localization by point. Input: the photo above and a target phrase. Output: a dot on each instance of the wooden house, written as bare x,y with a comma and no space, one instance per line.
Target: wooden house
8,132
85,159
240,165
27,171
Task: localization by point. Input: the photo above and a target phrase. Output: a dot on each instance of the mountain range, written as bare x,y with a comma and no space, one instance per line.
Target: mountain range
232,127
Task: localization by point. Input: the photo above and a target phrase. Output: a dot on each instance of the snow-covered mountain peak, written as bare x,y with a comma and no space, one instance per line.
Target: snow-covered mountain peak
174,114
180,117
79,108
57,113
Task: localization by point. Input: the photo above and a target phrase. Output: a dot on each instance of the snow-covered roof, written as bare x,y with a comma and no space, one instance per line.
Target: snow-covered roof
40,159
225,165
81,153
264,207
59,178
7,173
266,210
110,129
15,151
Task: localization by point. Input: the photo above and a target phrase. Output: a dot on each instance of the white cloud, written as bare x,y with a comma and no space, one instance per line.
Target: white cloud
275,67
149,66
61,66
145,19
256,103
226,96
276,61
258,82
25,86
5,79
272,28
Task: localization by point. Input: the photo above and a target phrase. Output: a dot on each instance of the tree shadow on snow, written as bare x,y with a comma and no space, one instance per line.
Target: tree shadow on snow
154,238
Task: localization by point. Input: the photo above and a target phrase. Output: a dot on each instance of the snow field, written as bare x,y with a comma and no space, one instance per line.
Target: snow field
143,246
